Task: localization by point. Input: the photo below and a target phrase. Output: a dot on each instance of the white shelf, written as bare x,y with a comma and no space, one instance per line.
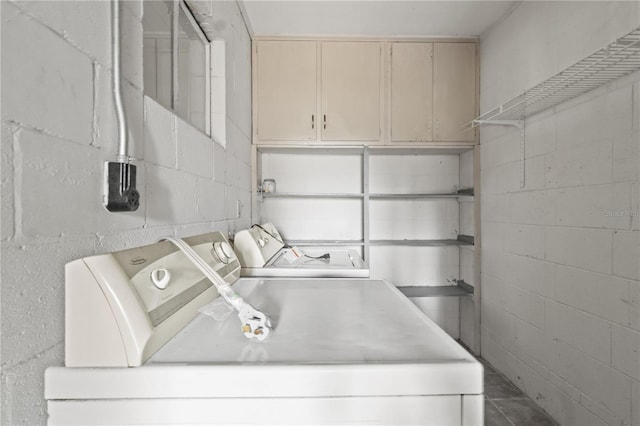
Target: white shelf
620,58
461,288
307,195
328,243
459,194
463,240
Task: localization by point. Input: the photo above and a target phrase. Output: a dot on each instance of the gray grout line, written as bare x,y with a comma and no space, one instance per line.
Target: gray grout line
502,412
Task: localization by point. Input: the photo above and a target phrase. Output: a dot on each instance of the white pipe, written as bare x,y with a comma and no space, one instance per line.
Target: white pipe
123,149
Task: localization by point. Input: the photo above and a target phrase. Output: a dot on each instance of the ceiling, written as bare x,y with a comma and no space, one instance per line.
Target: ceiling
374,17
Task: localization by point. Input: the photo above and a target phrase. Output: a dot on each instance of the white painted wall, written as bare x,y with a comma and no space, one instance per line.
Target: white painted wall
560,258
58,127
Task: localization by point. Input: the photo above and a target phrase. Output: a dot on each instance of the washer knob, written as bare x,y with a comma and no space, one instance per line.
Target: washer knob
223,251
160,278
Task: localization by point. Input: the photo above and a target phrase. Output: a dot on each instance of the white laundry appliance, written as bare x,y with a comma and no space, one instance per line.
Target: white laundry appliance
262,252
339,351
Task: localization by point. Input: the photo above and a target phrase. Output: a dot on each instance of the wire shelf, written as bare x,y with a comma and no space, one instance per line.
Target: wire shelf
618,59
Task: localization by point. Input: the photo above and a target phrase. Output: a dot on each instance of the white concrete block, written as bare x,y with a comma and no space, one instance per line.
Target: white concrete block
491,180
244,176
105,122
231,205
626,351
33,305
601,383
526,306
594,118
529,274
73,177
245,204
535,173
567,410
493,208
526,240
626,158
584,165
511,177
210,200
599,294
23,388
84,24
160,134
231,168
540,134
635,404
49,84
195,150
635,207
171,197
493,290
531,341
567,246
492,235
588,333
626,254
636,100
444,311
503,150
584,30
7,208
531,208
594,206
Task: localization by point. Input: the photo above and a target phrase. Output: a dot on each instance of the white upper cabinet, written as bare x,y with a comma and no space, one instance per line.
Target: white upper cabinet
320,91
285,83
454,91
350,91
411,103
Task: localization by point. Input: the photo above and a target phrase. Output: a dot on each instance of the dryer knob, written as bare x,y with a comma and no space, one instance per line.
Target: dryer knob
223,251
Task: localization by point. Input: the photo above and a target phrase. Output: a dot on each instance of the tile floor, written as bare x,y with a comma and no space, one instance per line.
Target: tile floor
506,405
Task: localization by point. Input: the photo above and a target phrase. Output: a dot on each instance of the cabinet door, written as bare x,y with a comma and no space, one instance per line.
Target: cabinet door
351,91
454,90
286,90
411,92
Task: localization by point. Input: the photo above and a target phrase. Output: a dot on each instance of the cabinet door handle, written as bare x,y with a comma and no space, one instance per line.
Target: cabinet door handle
324,121
313,121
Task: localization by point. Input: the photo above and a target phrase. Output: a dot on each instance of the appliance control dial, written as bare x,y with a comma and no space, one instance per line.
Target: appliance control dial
223,251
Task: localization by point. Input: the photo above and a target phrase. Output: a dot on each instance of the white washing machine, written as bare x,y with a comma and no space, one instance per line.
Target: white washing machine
340,351
263,253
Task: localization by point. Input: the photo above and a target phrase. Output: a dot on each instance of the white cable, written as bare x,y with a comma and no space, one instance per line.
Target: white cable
254,322
123,155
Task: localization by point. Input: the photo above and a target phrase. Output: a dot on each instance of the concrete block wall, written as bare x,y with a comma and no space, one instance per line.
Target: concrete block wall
561,256
58,127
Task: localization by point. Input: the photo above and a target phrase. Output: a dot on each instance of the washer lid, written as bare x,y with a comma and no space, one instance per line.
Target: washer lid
317,321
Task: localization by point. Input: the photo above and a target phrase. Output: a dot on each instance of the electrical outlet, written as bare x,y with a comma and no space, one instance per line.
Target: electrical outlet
238,209
120,193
